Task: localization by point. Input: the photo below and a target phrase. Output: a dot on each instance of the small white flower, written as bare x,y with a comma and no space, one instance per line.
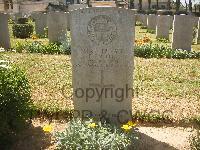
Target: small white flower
3,61
2,49
4,66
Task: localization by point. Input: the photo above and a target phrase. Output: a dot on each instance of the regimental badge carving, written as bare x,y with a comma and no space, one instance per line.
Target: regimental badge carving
102,30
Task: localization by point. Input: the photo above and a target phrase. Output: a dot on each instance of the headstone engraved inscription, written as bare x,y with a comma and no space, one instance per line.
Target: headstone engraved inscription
102,62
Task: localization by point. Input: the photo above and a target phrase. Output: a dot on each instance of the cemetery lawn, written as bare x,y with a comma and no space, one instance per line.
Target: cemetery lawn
140,33
162,86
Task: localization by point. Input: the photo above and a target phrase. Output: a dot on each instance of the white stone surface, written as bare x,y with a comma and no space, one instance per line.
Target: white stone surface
102,58
182,32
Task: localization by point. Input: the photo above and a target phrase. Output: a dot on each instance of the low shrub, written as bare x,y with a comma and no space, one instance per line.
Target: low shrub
165,12
163,40
22,30
151,31
15,104
156,51
39,47
143,27
89,135
138,23
22,20
195,142
151,11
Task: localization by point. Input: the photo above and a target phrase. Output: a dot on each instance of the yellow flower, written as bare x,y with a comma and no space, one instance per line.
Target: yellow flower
34,37
126,127
130,123
92,125
47,128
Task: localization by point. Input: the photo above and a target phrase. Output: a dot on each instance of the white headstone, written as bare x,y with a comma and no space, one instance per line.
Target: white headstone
151,21
4,31
102,62
163,26
57,26
182,32
198,32
195,19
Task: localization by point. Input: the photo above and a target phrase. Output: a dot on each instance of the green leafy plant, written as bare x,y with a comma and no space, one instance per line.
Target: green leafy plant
195,141
156,51
19,47
15,104
151,31
65,47
89,135
22,20
23,29
138,23
143,27
39,47
163,40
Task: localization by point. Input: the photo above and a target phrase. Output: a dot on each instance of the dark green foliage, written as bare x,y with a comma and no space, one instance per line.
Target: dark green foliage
22,20
166,12
156,51
15,104
195,142
151,11
22,30
143,27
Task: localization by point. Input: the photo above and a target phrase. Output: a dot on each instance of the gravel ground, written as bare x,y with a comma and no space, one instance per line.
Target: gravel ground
165,138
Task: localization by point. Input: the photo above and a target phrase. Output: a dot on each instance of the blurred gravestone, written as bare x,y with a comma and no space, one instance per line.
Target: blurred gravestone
4,31
57,26
163,26
151,21
182,32
102,62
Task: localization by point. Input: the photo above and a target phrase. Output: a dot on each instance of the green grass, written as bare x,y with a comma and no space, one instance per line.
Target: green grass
161,85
